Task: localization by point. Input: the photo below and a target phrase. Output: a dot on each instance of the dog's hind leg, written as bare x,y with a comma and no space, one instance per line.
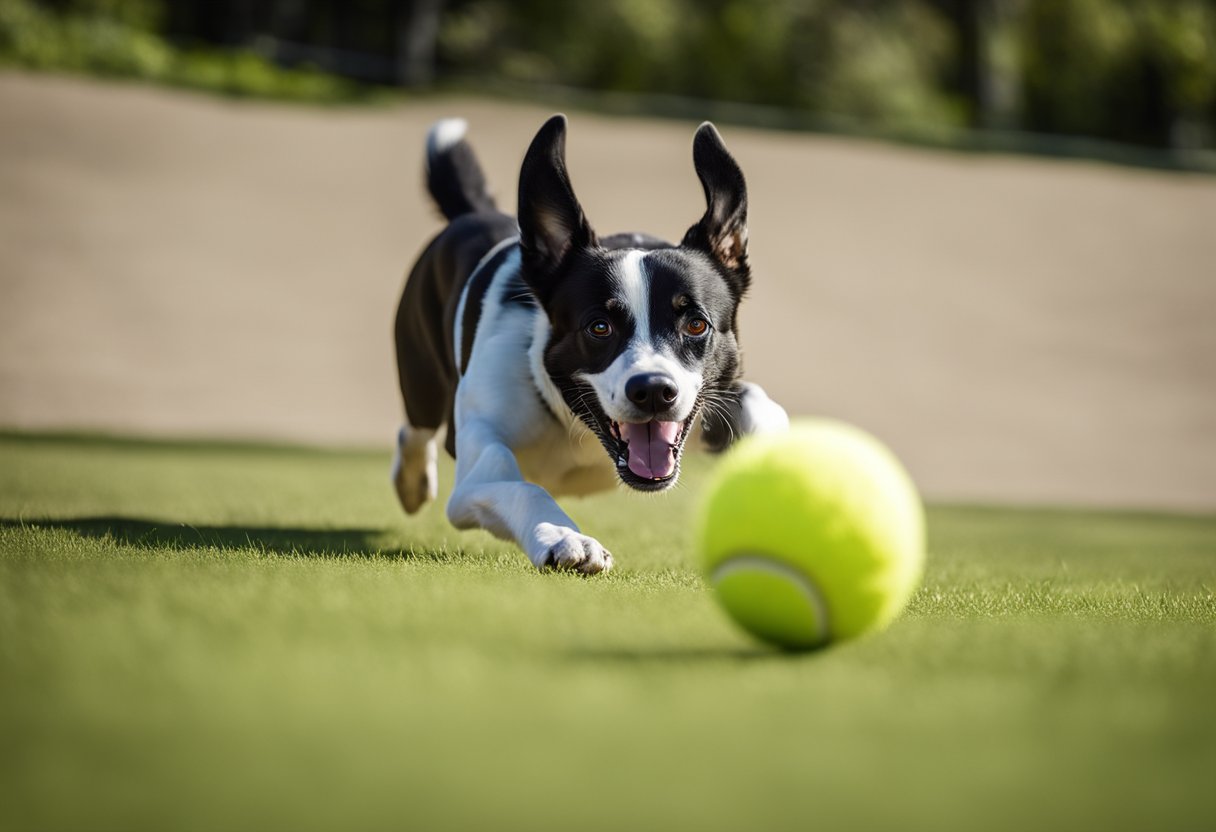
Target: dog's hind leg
425,329
426,389
416,467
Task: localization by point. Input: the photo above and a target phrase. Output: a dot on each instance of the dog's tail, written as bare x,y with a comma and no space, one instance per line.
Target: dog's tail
453,175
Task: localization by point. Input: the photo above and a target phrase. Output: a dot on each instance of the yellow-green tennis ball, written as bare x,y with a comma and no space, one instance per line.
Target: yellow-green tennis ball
813,535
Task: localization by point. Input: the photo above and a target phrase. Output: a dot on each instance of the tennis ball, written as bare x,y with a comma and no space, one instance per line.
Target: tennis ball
813,535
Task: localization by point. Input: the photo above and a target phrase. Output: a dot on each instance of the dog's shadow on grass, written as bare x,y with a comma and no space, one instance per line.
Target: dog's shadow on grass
286,541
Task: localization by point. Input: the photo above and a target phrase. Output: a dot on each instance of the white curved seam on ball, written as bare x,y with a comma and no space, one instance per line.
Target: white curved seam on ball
814,597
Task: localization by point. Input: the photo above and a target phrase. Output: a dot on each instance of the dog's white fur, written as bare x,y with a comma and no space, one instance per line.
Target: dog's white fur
515,449
641,355
513,455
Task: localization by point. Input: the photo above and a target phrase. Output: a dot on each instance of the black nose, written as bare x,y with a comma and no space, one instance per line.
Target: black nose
651,391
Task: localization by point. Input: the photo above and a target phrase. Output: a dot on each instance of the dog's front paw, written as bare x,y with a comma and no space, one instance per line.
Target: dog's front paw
759,413
742,411
577,552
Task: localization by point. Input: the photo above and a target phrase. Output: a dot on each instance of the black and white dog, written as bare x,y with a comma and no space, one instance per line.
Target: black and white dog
528,340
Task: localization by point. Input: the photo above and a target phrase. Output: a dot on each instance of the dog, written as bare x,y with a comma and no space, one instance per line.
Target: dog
527,338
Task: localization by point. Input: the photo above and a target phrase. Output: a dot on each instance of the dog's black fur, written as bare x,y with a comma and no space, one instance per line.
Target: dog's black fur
630,336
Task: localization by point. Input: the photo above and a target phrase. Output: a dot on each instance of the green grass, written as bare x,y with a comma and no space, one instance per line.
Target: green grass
208,636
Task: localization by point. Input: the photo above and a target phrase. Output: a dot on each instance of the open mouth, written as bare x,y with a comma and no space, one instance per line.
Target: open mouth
648,453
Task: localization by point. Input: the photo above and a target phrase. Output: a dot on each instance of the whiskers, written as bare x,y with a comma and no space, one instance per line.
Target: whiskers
582,404
722,405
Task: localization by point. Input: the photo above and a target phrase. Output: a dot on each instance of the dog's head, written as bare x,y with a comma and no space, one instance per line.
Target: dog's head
642,333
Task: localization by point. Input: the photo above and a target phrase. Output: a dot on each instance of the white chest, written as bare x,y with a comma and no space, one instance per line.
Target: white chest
500,389
566,464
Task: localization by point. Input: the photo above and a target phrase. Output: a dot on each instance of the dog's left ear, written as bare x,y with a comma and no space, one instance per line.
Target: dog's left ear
551,222
722,231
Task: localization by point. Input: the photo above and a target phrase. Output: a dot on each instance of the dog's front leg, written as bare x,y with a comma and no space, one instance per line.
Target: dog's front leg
492,494
745,410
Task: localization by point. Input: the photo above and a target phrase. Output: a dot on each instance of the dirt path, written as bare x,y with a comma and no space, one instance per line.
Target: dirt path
1017,329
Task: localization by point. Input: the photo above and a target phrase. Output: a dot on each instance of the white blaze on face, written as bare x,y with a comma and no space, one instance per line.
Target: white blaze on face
635,290
644,354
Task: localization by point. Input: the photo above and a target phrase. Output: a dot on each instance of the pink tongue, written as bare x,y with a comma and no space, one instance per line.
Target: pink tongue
651,448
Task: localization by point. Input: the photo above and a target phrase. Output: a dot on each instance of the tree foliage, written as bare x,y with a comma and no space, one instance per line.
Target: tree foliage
1138,71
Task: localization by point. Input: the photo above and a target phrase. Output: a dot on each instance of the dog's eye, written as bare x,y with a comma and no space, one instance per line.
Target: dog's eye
696,327
599,329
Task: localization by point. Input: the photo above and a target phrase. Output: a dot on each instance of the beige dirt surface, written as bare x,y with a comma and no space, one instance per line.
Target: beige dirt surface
1018,330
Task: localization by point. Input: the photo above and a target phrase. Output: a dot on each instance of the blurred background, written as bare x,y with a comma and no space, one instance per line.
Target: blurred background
984,230
1134,71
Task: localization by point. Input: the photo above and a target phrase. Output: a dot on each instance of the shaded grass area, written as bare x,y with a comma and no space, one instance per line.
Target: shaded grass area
202,636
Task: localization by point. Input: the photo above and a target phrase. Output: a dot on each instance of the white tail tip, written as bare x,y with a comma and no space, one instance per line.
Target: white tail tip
444,134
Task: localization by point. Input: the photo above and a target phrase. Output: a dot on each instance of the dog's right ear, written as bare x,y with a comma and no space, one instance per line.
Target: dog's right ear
551,222
722,231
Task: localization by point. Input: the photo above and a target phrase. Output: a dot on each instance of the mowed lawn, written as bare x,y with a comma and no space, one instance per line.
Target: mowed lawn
209,636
